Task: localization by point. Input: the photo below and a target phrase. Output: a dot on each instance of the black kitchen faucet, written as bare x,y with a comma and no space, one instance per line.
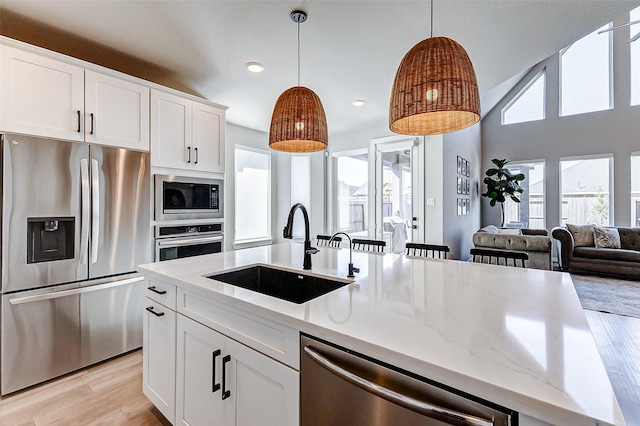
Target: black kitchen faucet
288,231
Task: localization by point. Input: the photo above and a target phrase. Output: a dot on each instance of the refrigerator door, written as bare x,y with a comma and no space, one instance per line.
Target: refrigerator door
43,218
120,229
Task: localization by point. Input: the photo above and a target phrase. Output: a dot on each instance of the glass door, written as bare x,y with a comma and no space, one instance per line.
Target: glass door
350,212
398,184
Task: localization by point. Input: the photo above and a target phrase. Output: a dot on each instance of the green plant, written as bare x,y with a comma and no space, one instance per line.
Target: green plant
502,184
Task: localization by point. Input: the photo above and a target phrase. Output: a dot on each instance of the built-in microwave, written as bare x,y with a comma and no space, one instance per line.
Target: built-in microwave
188,198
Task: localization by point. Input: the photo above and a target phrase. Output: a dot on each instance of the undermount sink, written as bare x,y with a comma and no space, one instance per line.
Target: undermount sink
286,285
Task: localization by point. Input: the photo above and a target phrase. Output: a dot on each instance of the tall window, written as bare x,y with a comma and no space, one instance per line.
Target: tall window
585,74
529,212
635,189
351,193
253,194
528,105
586,191
634,15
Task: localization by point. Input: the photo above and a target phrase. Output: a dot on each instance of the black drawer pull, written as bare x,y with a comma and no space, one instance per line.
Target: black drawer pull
153,289
158,314
214,386
196,151
78,121
91,123
226,393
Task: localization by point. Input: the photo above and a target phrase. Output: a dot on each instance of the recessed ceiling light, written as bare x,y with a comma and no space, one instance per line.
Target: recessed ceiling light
255,67
358,102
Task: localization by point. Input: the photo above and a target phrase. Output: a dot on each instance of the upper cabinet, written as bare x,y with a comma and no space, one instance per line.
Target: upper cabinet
117,112
186,134
41,96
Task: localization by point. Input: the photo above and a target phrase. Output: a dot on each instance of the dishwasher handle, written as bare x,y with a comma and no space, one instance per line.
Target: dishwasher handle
429,410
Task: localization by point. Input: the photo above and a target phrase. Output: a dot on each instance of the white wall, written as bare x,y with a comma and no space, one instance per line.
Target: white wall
615,131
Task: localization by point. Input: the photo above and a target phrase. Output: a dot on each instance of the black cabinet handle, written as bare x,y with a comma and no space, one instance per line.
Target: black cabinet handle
78,121
91,115
153,289
188,154
196,151
158,314
214,386
226,393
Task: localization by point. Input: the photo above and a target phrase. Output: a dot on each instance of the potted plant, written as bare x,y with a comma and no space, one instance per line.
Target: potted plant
501,183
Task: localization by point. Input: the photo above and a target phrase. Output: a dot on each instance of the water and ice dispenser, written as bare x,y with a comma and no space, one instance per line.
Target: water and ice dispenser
50,238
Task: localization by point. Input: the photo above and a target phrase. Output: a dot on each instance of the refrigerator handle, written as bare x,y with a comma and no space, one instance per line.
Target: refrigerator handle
95,210
84,219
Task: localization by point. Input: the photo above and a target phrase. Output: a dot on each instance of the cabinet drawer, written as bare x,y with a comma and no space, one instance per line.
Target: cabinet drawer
272,339
161,292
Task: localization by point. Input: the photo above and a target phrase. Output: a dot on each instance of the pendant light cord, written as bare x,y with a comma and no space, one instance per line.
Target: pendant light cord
299,52
431,20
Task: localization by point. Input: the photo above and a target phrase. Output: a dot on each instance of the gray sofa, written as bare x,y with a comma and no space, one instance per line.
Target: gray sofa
535,242
624,261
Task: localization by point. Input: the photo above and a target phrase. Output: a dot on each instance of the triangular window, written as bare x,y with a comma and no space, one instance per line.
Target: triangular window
528,104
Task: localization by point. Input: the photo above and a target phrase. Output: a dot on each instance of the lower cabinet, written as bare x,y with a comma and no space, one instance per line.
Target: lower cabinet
159,357
223,382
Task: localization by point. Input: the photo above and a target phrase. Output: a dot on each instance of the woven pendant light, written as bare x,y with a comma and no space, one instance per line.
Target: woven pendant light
435,90
298,123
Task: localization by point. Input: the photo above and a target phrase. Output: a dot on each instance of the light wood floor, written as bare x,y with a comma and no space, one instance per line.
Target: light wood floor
111,393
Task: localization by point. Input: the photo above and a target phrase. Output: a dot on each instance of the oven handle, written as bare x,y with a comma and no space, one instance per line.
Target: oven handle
179,242
422,407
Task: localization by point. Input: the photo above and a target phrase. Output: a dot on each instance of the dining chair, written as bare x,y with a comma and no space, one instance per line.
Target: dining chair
368,245
427,250
495,257
326,241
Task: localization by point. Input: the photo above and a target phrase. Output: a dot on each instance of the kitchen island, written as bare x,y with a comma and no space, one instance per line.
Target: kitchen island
514,337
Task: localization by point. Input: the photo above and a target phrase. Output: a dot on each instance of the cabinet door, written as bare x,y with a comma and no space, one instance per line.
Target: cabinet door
208,138
159,356
40,96
117,112
263,391
199,369
171,131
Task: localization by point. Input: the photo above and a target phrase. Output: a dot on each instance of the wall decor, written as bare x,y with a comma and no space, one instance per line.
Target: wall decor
459,185
468,169
463,172
459,168
459,206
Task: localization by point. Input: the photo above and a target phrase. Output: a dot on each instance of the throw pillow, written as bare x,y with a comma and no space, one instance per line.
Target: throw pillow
582,235
490,229
606,237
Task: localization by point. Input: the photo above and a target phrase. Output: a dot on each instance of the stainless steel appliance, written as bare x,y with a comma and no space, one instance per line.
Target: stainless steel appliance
75,223
342,387
180,198
181,240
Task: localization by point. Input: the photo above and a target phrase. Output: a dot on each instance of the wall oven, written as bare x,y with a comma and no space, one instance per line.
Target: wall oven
179,241
179,198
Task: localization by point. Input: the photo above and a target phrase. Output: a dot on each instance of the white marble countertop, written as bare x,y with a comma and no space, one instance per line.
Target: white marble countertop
516,337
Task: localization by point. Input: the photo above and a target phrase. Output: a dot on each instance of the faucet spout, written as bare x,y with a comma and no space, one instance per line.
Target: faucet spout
352,269
287,233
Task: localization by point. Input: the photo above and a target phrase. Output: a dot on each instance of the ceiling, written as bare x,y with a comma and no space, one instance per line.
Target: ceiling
349,49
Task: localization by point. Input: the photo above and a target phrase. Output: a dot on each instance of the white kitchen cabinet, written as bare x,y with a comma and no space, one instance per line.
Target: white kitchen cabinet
116,112
40,96
159,357
223,382
186,134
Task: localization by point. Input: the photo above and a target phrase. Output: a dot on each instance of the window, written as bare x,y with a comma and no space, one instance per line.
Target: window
252,194
586,191
300,189
529,212
350,198
528,105
634,15
585,74
635,189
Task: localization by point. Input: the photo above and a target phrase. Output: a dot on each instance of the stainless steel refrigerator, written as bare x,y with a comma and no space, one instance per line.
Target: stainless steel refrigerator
75,223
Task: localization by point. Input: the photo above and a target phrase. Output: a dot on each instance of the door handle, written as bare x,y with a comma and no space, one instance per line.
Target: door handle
150,309
188,154
84,219
95,206
215,386
226,393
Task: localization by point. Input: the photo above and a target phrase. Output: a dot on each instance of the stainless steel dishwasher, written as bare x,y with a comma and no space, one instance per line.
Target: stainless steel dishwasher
341,387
